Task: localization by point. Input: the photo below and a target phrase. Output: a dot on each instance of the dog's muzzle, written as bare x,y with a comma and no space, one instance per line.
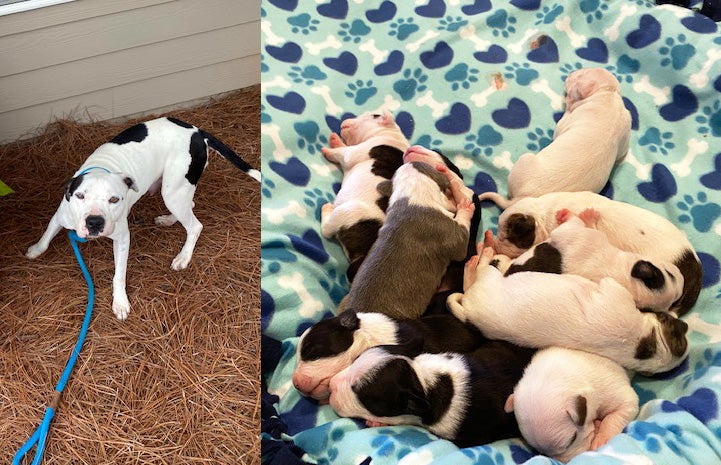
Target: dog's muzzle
95,224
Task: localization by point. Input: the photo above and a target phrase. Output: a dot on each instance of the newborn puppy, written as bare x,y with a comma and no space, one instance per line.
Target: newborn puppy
570,401
455,396
590,138
453,279
415,245
530,220
332,344
577,247
534,309
372,151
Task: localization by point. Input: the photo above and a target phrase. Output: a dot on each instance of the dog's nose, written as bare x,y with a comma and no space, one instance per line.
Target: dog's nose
95,224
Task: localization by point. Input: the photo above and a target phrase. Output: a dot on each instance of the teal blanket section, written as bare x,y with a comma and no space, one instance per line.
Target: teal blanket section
483,82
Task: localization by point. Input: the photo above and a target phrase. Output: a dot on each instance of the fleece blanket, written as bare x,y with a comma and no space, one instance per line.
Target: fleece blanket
437,65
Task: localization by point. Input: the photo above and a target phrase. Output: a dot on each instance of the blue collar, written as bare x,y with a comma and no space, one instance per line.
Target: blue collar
90,168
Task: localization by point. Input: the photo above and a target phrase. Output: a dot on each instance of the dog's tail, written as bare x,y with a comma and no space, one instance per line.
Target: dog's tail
227,153
496,198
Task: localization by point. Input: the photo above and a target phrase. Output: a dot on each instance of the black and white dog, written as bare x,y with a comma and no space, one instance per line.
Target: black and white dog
460,397
530,220
332,344
163,154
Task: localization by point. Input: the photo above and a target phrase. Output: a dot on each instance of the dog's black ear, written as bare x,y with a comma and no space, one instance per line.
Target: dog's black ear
649,274
71,186
349,320
577,412
130,183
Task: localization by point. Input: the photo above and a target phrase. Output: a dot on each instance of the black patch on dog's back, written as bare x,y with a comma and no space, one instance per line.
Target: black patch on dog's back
182,124
136,133
386,160
546,259
649,274
692,273
646,347
674,333
329,337
357,240
439,393
72,186
521,230
198,158
441,333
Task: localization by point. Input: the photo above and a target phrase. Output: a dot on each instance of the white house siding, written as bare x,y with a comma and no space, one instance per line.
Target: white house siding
106,59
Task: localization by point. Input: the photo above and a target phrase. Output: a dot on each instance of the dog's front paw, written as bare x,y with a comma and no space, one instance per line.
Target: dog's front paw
181,261
121,308
34,251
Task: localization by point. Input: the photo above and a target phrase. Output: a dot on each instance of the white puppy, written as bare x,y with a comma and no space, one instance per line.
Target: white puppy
534,309
570,401
590,138
372,152
577,247
530,220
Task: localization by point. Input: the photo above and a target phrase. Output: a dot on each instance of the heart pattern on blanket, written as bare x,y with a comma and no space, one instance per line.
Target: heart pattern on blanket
440,56
546,52
292,102
700,24
290,52
478,7
661,187
515,116
494,54
392,65
648,32
433,9
288,5
345,63
712,180
385,12
683,103
293,171
457,122
595,50
336,9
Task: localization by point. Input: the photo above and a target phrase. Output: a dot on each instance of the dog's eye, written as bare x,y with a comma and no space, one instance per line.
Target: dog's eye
79,195
114,199
376,116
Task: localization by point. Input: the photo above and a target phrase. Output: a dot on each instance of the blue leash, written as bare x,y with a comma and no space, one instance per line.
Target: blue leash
40,435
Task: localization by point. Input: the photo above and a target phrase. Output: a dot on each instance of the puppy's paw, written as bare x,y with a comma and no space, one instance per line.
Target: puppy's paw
486,256
334,141
121,308
590,217
34,251
374,424
563,215
469,272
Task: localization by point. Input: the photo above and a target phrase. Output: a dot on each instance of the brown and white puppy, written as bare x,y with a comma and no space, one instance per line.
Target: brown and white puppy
540,310
460,397
570,401
590,138
372,152
530,220
577,247
415,245
332,344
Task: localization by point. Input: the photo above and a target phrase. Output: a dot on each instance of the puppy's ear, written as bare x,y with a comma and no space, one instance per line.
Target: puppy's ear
387,118
71,185
578,410
649,274
508,407
349,320
130,183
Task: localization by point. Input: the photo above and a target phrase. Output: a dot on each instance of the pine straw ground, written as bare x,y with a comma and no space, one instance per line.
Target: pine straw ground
178,381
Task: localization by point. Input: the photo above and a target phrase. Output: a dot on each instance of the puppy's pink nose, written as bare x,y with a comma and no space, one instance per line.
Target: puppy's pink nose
303,383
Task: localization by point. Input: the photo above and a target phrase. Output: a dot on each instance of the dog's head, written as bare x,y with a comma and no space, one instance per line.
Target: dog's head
583,83
96,200
381,386
361,128
332,344
657,285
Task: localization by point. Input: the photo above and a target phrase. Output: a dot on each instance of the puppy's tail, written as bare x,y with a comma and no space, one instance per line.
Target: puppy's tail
496,198
227,153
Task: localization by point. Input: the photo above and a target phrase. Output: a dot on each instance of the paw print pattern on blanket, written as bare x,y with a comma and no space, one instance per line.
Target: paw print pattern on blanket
483,82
